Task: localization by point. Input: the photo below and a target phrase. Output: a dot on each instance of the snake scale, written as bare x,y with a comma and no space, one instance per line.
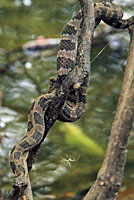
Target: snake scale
74,106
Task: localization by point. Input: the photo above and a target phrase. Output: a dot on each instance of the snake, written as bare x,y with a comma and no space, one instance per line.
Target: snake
75,104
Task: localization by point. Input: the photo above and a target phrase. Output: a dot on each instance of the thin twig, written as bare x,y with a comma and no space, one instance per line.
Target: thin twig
99,53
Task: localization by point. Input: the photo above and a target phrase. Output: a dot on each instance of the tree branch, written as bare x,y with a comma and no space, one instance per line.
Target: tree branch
110,175
62,90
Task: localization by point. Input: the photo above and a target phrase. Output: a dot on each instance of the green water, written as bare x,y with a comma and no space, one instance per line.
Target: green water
53,176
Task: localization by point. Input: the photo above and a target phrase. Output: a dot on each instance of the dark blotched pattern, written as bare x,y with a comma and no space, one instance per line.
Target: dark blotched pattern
17,155
42,103
37,136
38,118
21,168
66,63
13,166
24,144
30,126
70,30
67,45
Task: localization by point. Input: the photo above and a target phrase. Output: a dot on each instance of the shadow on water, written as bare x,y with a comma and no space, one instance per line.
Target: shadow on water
65,168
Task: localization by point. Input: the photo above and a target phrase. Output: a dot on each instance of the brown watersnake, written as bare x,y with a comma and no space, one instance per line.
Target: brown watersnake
74,105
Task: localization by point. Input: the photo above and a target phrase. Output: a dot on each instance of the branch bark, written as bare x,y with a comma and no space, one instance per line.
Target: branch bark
110,175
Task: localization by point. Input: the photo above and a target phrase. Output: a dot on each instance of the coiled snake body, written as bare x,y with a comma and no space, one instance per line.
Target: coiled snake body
74,105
